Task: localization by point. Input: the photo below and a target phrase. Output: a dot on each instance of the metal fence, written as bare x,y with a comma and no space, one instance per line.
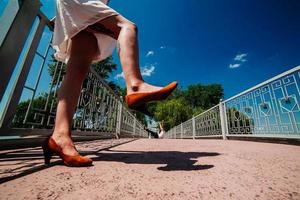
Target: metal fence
270,109
30,79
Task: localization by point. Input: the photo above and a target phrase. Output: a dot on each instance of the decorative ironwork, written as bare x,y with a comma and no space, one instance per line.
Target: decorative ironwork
177,133
140,130
272,108
127,122
97,107
208,123
130,125
187,128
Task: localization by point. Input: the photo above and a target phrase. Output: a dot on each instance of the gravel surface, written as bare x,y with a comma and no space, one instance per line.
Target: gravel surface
157,169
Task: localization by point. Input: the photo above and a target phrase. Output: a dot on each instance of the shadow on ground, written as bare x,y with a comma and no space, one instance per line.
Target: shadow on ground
18,163
173,160
22,162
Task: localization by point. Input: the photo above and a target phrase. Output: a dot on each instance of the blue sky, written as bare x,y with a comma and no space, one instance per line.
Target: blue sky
235,43
202,38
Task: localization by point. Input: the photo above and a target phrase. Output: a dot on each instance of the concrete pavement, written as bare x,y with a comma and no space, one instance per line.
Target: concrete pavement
158,169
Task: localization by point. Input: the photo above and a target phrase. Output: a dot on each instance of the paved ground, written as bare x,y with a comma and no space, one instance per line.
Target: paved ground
158,169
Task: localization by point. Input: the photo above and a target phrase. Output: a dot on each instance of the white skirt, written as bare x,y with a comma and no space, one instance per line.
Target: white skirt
73,16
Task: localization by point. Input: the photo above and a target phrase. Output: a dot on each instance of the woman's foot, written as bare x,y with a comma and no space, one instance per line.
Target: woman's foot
63,146
142,88
66,144
145,93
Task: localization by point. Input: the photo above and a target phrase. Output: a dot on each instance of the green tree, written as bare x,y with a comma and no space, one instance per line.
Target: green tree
141,117
204,96
198,110
183,104
103,68
238,119
172,112
38,104
121,92
177,93
54,70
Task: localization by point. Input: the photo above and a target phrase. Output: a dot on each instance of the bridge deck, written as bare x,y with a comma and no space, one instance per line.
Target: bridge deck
158,169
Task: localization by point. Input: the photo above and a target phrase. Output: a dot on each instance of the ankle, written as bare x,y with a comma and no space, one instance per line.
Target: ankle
61,138
61,133
134,86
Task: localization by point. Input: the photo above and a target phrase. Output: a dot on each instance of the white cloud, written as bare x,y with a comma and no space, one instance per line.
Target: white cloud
236,65
150,53
148,70
241,57
121,75
239,60
162,47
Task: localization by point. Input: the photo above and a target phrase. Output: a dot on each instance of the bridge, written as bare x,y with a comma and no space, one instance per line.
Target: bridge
246,147
157,169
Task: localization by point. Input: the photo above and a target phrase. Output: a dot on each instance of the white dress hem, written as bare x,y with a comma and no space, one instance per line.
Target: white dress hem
106,43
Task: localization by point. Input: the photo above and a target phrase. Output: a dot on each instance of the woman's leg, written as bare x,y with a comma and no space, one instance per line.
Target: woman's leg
84,46
126,33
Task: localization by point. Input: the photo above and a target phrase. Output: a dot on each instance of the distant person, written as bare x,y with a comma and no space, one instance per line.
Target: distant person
159,134
161,129
87,31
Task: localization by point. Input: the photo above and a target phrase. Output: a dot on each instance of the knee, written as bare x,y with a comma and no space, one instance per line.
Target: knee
130,26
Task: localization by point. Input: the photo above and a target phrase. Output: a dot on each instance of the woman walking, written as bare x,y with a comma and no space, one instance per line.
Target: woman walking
87,31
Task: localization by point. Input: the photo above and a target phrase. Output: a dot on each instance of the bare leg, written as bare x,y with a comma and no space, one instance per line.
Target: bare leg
84,46
126,34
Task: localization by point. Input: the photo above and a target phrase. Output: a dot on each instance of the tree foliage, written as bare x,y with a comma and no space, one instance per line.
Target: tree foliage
37,103
173,112
183,104
204,96
103,68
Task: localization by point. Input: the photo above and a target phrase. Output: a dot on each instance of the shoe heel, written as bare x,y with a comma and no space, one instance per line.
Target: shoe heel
47,153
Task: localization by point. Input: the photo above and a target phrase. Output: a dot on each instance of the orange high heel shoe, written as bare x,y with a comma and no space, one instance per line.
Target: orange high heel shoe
50,148
138,100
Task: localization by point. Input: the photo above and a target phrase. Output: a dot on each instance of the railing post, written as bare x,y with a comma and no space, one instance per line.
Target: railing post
223,118
181,131
15,38
119,120
134,126
174,134
15,95
194,127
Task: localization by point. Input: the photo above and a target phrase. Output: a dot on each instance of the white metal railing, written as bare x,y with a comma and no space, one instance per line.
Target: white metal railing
269,109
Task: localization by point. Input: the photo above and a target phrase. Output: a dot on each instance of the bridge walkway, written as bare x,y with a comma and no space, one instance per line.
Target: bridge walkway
157,169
